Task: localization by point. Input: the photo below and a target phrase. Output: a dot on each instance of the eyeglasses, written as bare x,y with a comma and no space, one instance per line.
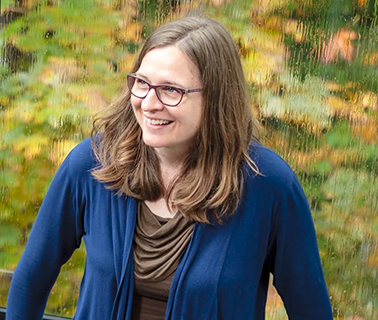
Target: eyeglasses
168,95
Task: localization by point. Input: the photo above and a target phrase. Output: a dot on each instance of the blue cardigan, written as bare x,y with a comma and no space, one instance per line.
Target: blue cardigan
223,274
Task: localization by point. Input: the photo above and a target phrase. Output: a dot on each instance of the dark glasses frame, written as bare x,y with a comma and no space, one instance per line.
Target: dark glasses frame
131,80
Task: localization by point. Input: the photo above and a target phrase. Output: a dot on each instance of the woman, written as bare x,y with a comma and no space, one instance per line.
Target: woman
183,213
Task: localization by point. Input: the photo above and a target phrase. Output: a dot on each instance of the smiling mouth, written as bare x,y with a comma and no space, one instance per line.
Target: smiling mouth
158,122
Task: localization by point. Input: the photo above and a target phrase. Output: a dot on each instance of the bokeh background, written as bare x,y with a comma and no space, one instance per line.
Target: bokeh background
312,69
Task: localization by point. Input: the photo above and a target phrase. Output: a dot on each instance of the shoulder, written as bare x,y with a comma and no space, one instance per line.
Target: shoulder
277,186
274,170
81,159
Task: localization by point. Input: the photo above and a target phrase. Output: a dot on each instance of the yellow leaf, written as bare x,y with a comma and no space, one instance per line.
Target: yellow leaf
131,32
31,146
60,149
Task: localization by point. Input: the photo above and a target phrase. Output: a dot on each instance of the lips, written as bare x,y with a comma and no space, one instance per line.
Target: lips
158,122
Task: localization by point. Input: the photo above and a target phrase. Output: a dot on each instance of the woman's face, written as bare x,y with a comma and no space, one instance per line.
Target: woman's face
170,130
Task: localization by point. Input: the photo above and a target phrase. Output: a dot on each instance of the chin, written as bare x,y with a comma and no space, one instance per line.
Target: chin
154,144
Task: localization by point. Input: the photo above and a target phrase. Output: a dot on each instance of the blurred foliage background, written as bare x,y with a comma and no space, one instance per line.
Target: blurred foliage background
312,67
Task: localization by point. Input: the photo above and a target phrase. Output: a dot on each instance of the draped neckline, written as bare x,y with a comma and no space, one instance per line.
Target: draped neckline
159,243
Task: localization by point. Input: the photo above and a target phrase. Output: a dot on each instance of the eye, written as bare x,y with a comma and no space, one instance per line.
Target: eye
170,90
141,83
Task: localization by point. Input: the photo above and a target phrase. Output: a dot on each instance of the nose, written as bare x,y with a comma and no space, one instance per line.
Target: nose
151,102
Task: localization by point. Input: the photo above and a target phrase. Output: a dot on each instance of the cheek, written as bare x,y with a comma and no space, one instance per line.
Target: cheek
135,103
136,112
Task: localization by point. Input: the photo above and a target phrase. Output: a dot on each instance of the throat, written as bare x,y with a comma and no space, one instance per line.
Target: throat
160,208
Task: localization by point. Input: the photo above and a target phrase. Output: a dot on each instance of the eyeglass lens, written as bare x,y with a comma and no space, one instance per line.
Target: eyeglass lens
167,95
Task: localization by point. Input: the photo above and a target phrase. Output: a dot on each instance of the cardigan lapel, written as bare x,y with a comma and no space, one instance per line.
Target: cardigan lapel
123,301
178,274
196,280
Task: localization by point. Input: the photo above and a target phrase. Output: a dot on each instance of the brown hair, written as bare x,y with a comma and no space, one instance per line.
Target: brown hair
210,182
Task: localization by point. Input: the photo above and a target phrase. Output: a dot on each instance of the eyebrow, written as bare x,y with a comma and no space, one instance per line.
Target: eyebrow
170,83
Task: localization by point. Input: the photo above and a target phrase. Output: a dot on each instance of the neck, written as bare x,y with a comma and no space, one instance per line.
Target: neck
169,171
170,165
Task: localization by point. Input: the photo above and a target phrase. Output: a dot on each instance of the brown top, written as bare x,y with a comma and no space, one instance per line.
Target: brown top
159,244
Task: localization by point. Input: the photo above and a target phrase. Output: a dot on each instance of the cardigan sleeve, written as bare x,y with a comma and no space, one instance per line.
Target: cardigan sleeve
296,266
56,233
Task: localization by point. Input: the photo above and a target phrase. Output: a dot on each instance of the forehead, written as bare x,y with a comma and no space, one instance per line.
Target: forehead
170,64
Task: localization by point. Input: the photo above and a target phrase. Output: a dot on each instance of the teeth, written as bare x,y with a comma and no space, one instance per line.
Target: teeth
158,122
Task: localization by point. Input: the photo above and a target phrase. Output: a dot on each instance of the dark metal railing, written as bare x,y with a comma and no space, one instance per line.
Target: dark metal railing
7,276
45,317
